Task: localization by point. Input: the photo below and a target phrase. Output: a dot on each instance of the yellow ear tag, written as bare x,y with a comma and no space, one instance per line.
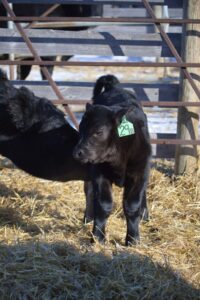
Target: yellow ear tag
125,128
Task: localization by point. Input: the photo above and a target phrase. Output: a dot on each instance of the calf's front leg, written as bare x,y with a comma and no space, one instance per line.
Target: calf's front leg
103,203
89,195
144,212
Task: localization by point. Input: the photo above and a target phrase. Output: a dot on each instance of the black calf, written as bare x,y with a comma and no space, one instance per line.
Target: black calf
35,135
114,138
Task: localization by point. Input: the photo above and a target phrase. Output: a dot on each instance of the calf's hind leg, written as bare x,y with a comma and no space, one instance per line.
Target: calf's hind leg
132,203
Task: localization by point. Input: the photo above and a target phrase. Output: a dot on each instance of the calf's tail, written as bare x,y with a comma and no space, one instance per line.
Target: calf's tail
105,83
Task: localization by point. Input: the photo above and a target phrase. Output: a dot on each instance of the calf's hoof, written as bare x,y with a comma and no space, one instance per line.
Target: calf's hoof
87,219
98,236
132,241
95,239
144,216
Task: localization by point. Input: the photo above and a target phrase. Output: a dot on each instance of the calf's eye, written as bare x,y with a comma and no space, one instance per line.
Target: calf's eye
98,133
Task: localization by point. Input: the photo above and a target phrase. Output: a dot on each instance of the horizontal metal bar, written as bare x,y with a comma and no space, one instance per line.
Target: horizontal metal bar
144,103
100,63
135,2
100,20
63,24
174,142
170,104
70,102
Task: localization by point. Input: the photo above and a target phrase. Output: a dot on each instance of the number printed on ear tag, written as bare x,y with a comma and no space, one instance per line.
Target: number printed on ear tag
125,128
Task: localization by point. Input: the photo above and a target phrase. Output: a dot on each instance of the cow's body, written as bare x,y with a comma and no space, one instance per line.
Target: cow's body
35,135
120,160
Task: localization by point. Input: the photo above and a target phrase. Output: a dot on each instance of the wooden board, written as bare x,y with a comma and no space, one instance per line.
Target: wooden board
83,90
110,11
88,42
137,28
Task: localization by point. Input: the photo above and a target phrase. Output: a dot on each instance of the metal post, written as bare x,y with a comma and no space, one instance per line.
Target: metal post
188,158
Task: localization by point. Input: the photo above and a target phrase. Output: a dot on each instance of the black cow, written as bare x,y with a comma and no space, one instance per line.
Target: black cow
114,139
64,10
35,135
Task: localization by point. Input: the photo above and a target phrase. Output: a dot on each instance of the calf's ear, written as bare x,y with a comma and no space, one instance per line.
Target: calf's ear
119,114
88,106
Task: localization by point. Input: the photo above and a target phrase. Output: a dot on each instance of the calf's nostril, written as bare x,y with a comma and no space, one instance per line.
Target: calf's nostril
78,153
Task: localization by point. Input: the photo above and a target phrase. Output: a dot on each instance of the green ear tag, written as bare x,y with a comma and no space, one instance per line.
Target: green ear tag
125,128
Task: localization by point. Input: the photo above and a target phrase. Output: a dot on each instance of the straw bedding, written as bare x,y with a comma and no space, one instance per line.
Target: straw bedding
45,250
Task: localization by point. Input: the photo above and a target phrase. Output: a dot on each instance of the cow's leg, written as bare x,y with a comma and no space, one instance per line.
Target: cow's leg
102,206
23,70
49,68
89,211
66,57
132,203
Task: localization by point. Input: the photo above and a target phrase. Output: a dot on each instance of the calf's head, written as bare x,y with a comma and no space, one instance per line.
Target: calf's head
98,134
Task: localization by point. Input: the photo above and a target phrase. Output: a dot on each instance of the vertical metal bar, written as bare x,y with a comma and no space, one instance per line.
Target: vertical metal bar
171,46
37,58
11,56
